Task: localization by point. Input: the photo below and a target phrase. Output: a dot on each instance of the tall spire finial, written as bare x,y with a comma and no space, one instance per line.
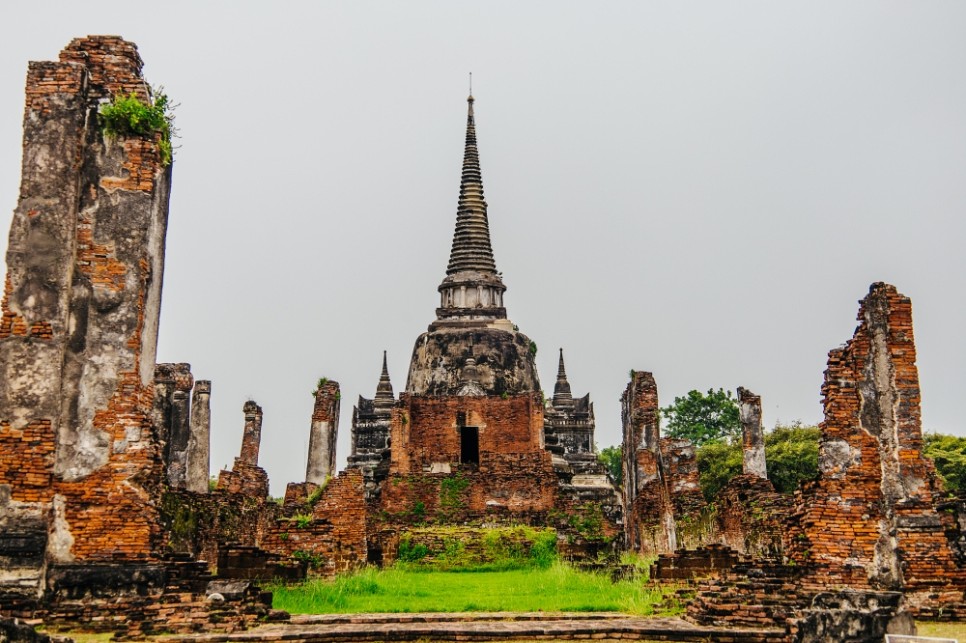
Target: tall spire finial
384,389
471,240
472,289
562,396
471,86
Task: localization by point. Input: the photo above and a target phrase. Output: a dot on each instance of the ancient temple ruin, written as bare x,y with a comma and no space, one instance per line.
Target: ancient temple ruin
472,417
106,508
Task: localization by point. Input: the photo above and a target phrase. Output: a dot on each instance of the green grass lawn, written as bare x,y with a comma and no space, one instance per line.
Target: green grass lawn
558,588
942,630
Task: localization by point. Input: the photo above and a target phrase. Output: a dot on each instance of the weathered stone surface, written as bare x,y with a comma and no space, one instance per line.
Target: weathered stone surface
370,433
171,418
869,520
752,434
324,433
649,523
78,319
503,359
199,443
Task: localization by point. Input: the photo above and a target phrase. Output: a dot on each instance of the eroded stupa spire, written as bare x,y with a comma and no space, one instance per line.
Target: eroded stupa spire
472,289
471,239
384,389
562,396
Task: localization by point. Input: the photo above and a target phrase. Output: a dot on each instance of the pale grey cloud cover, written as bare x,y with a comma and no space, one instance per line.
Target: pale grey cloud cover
702,190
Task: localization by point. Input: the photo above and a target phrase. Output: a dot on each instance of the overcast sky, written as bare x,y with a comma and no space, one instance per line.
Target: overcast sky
700,190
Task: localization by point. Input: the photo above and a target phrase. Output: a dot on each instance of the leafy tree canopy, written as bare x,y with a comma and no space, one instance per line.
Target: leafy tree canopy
948,452
612,459
703,418
791,453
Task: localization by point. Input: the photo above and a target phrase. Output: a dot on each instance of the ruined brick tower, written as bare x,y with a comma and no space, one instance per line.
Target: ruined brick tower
472,347
80,464
465,442
869,520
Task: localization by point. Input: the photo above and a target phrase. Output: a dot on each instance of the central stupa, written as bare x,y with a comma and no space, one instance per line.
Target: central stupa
472,348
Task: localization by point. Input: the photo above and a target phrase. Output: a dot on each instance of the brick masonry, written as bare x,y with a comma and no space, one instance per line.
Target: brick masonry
870,519
79,314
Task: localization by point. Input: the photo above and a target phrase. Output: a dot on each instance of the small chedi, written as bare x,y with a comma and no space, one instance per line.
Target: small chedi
107,518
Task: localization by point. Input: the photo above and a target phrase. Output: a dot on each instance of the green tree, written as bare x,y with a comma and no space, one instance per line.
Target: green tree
948,452
613,460
703,418
718,462
791,453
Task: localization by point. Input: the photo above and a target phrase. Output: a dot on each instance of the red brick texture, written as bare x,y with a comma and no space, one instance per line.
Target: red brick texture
111,513
869,520
329,531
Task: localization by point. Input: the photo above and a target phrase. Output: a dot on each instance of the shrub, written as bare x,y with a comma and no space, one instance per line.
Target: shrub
128,116
410,552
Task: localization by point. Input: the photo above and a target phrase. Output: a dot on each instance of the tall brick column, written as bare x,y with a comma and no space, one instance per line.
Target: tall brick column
869,519
752,434
324,433
199,443
648,512
252,437
79,316
246,477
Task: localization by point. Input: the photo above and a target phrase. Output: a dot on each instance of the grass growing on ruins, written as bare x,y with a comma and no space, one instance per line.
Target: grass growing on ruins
558,588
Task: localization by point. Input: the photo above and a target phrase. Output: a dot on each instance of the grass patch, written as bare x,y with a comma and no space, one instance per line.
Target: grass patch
558,588
942,629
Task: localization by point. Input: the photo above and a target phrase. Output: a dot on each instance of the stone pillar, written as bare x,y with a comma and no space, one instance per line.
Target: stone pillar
199,444
648,512
752,433
172,384
252,437
80,309
324,433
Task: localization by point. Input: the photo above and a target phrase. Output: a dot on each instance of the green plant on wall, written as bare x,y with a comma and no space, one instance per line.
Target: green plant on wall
314,560
451,491
410,552
129,116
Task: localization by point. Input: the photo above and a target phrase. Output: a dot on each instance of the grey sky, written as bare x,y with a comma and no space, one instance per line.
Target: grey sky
701,190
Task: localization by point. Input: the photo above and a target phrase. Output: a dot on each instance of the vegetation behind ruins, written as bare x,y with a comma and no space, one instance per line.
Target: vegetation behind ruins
703,418
948,452
559,587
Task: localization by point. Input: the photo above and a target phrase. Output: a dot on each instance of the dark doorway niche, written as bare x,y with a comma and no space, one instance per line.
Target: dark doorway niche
469,445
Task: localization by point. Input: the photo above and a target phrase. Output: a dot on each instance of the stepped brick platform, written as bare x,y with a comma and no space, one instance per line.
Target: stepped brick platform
493,626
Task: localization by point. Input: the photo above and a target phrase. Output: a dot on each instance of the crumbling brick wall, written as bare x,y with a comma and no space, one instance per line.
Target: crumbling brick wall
869,520
246,477
679,458
79,314
751,516
327,529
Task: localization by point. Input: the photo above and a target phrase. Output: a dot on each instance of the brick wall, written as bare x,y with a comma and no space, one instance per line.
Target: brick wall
751,516
869,520
426,433
79,314
328,531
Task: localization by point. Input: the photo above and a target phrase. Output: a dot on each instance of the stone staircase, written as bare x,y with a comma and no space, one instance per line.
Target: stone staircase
485,627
